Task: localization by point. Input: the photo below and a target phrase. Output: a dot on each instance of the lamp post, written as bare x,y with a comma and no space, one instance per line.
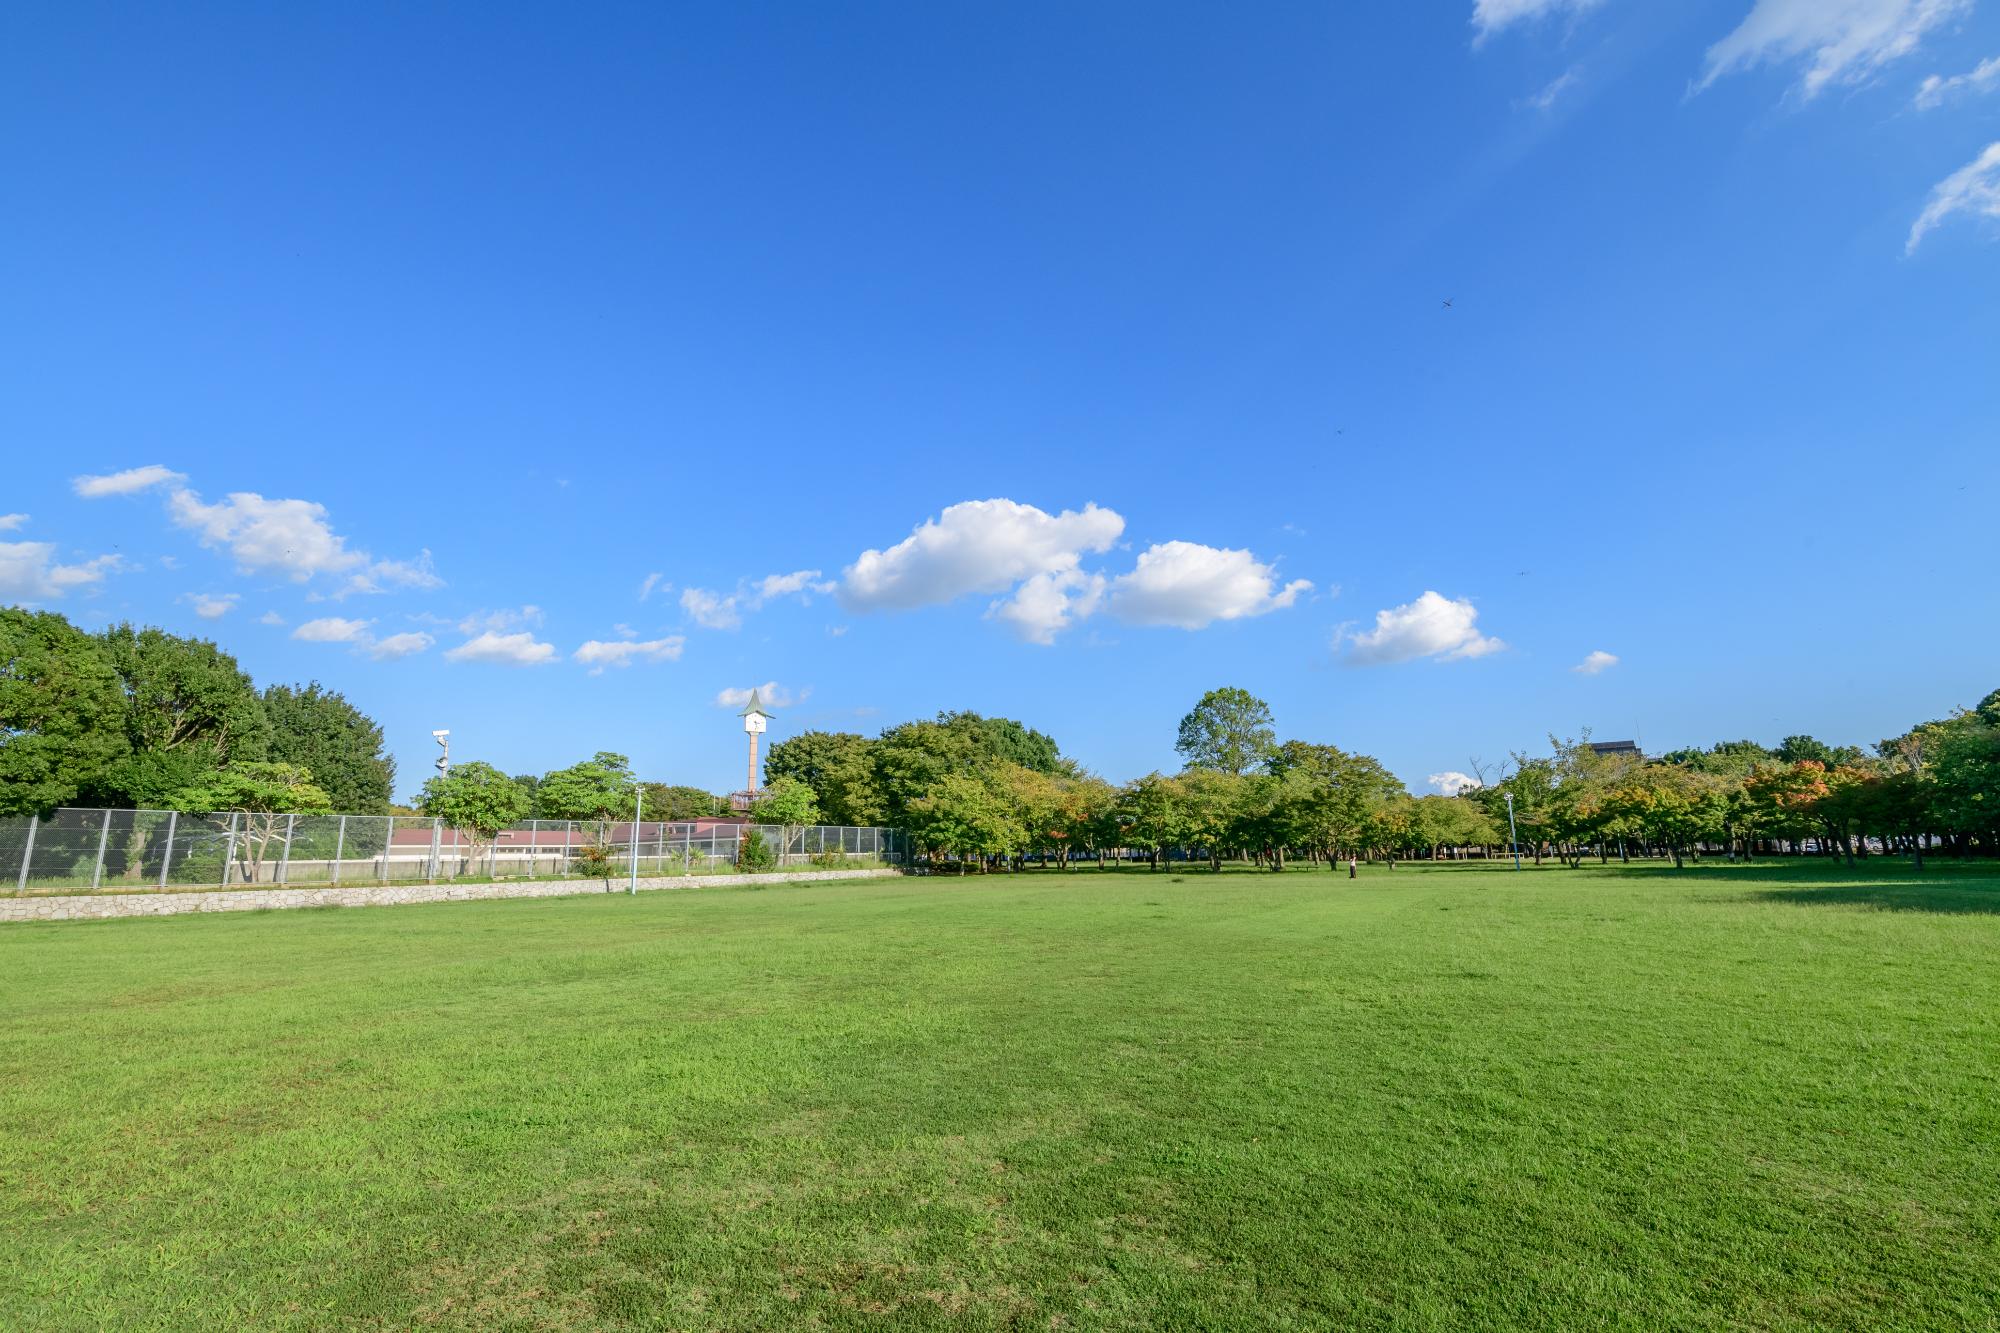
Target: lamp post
638,806
1513,838
443,761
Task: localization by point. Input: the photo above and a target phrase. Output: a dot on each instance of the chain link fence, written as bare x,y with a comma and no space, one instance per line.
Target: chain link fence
135,851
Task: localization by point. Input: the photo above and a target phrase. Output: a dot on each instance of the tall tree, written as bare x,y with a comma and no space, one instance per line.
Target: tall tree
62,713
601,787
189,711
839,768
476,799
320,730
1229,730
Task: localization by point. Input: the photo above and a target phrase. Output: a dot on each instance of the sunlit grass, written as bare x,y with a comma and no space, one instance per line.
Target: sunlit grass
1448,1098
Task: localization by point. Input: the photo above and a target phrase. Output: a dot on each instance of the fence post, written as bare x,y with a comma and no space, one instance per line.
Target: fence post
285,862
167,856
534,847
388,845
431,871
229,850
687,849
103,837
27,855
339,848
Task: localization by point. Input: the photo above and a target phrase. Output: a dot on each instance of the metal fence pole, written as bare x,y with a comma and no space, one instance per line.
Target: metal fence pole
103,837
534,846
388,845
687,849
27,855
167,856
285,860
431,871
339,848
229,850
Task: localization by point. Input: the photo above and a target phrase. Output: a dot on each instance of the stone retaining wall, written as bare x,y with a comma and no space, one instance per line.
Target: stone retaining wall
99,907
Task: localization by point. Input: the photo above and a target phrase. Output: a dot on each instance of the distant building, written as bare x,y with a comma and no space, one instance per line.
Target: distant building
1616,749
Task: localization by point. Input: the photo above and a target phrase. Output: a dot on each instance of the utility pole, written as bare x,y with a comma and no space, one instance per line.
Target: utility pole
1513,838
638,807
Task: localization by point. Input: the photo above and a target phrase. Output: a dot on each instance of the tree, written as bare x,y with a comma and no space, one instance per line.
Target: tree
1152,815
189,711
476,799
964,816
599,788
789,804
678,804
838,766
62,713
1011,742
262,797
1229,730
1212,812
320,730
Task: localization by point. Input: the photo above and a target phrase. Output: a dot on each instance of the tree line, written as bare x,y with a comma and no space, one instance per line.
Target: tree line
1935,787
977,792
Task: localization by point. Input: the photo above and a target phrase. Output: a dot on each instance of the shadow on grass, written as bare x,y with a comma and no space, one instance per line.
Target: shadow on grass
1911,896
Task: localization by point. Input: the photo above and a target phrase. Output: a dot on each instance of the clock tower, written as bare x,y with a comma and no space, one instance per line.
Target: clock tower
755,719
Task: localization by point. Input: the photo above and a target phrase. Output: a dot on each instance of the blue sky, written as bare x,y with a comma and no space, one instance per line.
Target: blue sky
546,373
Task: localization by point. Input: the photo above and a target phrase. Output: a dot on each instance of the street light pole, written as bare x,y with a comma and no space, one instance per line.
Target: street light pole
1513,838
443,761
638,805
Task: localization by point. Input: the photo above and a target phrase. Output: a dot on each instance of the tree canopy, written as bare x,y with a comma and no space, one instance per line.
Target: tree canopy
1229,730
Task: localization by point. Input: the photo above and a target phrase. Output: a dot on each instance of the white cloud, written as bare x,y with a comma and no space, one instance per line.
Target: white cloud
1451,782
1842,41
1490,16
212,605
771,694
399,645
333,629
270,618
9,522
29,572
293,538
507,618
1597,661
598,654
654,581
124,483
801,581
1431,626
1554,89
1045,605
715,610
1973,189
417,573
711,610
1188,585
1934,91
520,649
978,546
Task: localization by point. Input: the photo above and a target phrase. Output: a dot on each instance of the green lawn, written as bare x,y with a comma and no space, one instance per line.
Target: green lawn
1447,1098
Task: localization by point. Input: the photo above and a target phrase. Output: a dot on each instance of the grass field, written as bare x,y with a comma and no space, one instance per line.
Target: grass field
1448,1098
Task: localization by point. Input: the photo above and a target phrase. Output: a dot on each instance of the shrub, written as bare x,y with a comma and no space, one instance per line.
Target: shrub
753,854
832,859
593,859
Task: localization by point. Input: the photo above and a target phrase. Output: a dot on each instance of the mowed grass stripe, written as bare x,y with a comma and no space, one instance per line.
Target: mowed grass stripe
1430,1098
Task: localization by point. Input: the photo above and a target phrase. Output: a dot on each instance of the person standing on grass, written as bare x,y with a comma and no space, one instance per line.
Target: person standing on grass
1350,865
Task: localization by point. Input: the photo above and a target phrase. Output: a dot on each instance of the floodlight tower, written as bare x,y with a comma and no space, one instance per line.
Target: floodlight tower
755,719
443,761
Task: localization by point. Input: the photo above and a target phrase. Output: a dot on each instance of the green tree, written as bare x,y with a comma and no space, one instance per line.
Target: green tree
964,816
62,713
789,804
476,799
1229,730
262,796
1011,742
320,730
838,766
1152,815
600,788
679,804
189,711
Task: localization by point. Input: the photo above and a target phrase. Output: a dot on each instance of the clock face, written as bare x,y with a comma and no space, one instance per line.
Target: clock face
753,724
